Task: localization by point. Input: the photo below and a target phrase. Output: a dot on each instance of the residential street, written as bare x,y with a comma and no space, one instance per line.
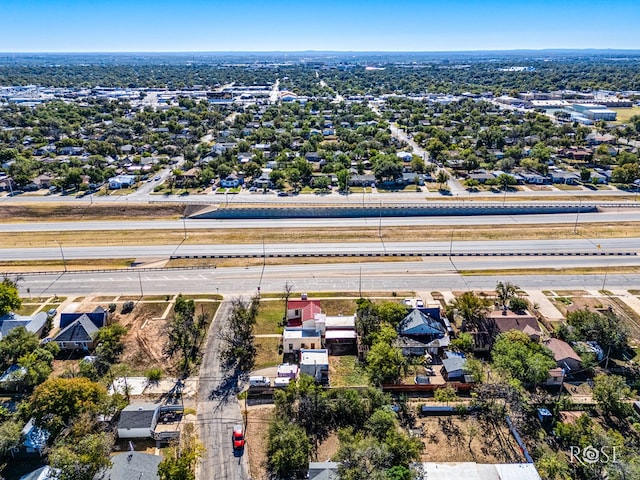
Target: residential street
218,410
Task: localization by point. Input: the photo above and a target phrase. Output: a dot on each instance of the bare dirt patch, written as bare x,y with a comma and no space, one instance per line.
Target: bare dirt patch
467,439
61,212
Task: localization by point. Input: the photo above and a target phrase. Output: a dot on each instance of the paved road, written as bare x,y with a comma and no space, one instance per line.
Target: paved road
424,276
452,246
218,410
624,215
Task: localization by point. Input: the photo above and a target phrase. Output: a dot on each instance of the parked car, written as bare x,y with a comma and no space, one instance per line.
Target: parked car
259,381
283,194
238,437
422,380
408,302
157,178
419,303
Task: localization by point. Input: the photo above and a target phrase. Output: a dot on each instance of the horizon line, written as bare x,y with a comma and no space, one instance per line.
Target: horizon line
517,50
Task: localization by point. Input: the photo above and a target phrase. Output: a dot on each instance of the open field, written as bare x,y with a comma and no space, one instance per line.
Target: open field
65,212
625,114
304,235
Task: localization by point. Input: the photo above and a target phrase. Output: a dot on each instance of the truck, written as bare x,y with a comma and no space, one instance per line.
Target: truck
259,381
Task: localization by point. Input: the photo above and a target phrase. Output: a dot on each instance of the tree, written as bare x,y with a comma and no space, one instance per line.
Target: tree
442,178
81,453
343,179
391,312
517,356
505,292
9,297
38,366
17,343
10,436
471,308
56,401
109,341
183,331
464,342
435,148
321,183
505,180
606,329
239,346
288,450
180,461
518,305
445,395
384,363
387,168
610,392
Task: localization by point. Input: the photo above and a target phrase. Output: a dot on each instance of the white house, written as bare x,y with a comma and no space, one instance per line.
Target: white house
122,181
316,364
296,339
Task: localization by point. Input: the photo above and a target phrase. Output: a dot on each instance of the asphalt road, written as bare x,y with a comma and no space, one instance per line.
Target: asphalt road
623,215
432,275
381,247
218,410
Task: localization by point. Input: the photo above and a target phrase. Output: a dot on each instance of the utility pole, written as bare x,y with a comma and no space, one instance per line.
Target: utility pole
64,262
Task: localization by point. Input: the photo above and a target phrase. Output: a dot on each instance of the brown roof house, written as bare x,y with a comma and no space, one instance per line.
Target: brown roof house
564,354
500,321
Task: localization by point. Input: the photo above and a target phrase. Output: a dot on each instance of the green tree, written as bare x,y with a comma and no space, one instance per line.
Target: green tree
180,461
81,457
464,342
9,297
384,363
605,329
184,332
321,183
445,395
109,341
505,291
343,179
288,450
391,312
435,148
610,392
15,344
38,366
471,308
10,436
387,168
58,400
239,345
517,356
442,178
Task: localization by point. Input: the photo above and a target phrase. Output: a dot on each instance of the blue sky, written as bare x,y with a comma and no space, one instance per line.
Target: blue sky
285,25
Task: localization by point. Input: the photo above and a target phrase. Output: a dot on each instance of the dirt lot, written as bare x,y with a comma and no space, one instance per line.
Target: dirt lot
467,439
61,212
258,418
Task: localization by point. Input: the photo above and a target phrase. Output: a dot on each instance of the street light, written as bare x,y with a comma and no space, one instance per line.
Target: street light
64,262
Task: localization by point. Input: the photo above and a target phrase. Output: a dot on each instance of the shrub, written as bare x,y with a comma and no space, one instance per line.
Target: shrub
153,374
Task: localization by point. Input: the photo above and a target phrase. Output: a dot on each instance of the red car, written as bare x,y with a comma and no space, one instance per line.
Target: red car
238,437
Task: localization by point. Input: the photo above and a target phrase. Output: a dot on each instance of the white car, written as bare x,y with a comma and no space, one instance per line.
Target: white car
408,302
419,303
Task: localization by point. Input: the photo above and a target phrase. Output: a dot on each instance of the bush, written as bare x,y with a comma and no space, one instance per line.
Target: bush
153,374
112,307
127,307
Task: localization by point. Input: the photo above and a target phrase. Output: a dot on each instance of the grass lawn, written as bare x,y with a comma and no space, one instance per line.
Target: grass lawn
269,317
28,308
624,114
336,306
346,371
267,354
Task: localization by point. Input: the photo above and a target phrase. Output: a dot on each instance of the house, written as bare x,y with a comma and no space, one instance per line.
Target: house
555,377
264,180
481,176
323,471
78,335
98,316
150,420
131,465
564,355
417,331
315,363
295,339
453,367
122,181
568,178
339,333
500,321
299,311
479,471
35,323
231,181
534,178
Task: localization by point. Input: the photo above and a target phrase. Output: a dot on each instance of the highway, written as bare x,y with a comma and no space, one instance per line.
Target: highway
55,252
624,215
244,281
